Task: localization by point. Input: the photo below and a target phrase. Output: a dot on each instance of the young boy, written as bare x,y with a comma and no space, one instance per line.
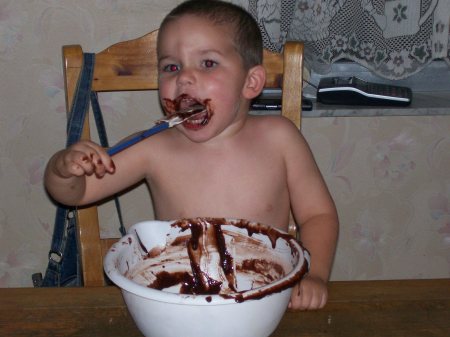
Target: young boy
223,163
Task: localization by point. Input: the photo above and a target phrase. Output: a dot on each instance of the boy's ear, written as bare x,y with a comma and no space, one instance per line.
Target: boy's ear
256,78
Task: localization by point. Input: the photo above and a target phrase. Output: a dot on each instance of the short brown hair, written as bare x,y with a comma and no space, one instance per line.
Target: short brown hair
247,37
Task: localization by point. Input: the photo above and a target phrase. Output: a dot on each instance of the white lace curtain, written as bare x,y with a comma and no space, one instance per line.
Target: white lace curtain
392,38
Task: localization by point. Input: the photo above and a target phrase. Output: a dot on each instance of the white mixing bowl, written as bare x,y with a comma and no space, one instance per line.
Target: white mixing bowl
167,313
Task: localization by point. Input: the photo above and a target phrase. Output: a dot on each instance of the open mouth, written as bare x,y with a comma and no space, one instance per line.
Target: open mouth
198,121
184,102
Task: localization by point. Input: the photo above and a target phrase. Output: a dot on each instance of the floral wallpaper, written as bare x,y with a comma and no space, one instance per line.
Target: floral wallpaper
389,175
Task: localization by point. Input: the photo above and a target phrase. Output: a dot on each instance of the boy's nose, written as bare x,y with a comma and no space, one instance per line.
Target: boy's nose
185,76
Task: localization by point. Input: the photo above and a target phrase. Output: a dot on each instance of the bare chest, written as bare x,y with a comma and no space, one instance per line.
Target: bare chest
222,185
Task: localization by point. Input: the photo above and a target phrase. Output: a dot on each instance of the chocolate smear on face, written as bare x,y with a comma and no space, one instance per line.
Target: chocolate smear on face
185,102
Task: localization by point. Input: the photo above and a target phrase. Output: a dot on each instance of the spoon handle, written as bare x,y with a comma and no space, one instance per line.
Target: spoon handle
137,138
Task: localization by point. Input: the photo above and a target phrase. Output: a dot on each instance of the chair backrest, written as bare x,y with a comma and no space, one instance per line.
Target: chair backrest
132,65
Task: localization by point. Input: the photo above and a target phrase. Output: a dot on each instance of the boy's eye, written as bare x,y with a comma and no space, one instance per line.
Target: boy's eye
170,68
209,63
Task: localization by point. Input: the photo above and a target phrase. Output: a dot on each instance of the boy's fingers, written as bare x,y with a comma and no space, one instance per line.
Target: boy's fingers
102,161
83,158
107,162
308,296
300,299
324,300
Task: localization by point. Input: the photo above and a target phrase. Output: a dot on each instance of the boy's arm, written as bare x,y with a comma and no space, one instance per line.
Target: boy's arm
84,173
318,233
68,170
315,212
319,237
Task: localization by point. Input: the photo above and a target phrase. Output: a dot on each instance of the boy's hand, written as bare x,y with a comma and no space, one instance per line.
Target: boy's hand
83,158
310,294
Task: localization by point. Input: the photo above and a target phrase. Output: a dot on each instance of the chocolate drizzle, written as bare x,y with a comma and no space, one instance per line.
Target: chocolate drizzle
213,269
206,239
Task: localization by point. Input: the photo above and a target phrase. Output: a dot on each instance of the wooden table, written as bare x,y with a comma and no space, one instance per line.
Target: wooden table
359,308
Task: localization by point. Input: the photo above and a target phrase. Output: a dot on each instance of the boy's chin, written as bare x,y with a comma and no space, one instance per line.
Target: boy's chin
196,134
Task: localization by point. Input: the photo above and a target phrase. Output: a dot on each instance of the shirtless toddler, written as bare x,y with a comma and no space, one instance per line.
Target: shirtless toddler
224,162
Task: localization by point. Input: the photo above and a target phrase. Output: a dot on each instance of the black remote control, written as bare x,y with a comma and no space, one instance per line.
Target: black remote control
354,91
270,99
275,104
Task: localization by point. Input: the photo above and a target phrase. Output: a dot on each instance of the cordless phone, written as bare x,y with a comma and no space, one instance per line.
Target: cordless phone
355,91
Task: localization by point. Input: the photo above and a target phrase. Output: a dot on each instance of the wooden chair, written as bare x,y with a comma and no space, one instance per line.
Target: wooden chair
132,65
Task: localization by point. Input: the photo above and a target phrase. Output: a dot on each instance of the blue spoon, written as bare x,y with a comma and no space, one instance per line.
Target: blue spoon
161,125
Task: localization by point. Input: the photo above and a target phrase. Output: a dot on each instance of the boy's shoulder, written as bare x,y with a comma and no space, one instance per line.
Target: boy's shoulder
273,123
276,130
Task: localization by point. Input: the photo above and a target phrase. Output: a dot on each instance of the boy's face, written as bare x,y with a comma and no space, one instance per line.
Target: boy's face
198,61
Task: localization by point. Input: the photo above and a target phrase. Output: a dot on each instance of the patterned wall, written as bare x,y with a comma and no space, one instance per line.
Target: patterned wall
388,175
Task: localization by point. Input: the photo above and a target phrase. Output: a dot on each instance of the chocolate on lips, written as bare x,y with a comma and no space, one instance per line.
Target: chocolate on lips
201,261
181,102
184,102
